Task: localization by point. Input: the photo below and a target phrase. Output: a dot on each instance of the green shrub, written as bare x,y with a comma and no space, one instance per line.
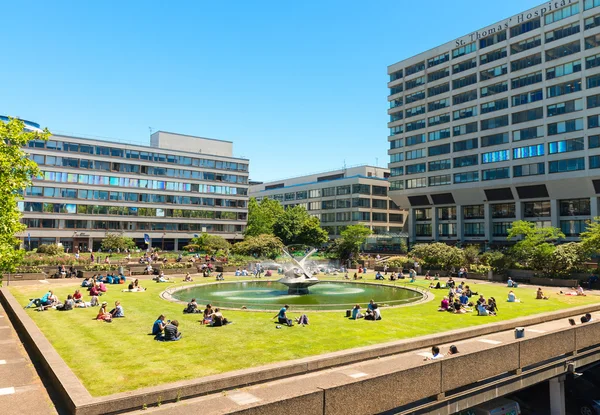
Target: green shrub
52,249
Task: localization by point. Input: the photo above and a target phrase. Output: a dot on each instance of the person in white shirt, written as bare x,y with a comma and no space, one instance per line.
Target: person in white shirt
435,354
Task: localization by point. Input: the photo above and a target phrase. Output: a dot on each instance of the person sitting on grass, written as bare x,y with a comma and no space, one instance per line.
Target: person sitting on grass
378,276
393,276
67,305
492,307
87,282
512,298
192,307
540,294
117,312
444,305
469,292
77,297
282,317
373,313
303,320
220,277
464,300
101,287
188,277
207,315
356,277
458,307
511,284
482,310
39,301
103,314
171,332
159,325
356,314
346,277
218,320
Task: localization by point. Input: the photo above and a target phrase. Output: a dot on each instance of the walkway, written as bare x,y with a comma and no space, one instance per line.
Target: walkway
21,390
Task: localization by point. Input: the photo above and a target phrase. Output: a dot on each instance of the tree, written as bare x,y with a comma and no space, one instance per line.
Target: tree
211,244
296,226
536,246
471,254
265,245
350,240
439,255
567,258
16,171
262,216
116,242
590,239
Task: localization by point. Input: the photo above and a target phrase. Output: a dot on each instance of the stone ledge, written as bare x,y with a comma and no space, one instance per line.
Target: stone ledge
78,400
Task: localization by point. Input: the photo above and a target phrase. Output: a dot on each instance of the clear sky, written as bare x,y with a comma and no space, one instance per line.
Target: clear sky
298,86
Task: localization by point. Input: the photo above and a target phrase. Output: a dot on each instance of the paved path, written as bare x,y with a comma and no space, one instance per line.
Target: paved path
21,390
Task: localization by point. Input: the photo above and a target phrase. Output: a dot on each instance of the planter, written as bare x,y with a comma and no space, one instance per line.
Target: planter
27,276
551,282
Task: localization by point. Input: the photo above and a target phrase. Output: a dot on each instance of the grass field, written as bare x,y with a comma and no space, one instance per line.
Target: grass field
121,356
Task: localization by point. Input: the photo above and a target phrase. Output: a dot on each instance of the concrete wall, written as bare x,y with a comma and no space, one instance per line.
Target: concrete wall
182,142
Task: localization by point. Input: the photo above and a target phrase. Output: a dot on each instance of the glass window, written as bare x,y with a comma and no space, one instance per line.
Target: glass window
536,209
438,89
565,126
493,72
422,214
592,61
592,81
526,44
474,229
525,27
415,139
561,13
415,125
564,69
494,140
503,210
447,229
565,107
465,145
439,180
423,229
464,129
439,165
415,168
527,115
464,113
438,119
395,172
416,183
501,228
438,105
560,166
415,154
363,189
465,97
464,50
434,76
446,213
593,121
495,174
492,106
396,75
528,170
474,212
575,207
464,81
526,62
494,122
592,22
495,156
437,60
494,89
594,141
562,32
527,97
528,151
439,134
590,4
466,177
344,190
526,80
417,67
471,160
564,88
411,112
492,56
438,150
573,227
492,39
563,50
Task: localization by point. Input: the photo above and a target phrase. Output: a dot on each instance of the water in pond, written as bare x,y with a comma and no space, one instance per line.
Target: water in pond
271,295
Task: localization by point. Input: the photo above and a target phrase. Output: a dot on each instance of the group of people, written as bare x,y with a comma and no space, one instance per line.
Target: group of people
586,318
108,316
282,318
210,316
373,312
436,354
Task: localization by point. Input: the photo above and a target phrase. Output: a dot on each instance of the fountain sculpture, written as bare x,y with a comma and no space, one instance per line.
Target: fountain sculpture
297,278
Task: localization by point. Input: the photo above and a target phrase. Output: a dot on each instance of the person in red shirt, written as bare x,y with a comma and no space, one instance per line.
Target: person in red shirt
77,296
94,290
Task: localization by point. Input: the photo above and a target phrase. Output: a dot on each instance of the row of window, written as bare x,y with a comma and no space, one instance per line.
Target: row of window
495,37
97,180
571,228
363,189
57,161
347,203
34,223
83,194
69,208
360,216
498,88
136,155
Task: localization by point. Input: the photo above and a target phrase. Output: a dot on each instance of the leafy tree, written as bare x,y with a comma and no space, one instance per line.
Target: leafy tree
211,243
471,254
497,260
350,240
262,216
116,242
50,249
296,226
590,239
567,258
439,255
536,246
265,245
16,171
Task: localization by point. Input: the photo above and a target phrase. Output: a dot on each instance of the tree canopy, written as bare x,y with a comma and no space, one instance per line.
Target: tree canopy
262,216
296,226
536,245
211,244
116,242
350,240
16,172
267,246
439,254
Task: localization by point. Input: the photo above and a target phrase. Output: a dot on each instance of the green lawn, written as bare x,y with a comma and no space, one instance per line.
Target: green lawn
121,356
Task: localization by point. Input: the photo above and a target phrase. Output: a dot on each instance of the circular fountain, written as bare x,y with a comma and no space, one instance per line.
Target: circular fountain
296,277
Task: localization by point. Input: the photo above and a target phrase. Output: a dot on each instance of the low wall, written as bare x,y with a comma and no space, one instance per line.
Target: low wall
29,276
78,400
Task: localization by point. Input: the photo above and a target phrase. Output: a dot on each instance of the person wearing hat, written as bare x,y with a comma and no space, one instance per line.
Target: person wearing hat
103,314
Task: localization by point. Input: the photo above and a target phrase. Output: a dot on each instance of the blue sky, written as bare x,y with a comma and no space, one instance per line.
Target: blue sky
299,87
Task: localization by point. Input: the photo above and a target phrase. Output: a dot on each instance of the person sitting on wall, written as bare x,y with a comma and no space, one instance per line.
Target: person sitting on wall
238,272
540,294
244,272
435,354
378,276
510,283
